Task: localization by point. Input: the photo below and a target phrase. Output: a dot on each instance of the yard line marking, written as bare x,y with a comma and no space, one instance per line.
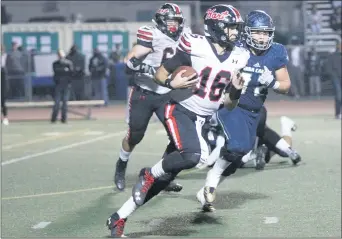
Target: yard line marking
44,139
271,220
94,133
58,193
58,149
40,225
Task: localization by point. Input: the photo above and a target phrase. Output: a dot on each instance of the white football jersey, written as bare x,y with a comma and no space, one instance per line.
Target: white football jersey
163,47
214,71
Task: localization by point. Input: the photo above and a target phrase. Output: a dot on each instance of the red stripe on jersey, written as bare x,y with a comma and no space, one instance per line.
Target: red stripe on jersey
185,42
145,33
143,37
183,49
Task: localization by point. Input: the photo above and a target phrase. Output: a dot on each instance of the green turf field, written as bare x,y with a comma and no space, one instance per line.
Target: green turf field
57,182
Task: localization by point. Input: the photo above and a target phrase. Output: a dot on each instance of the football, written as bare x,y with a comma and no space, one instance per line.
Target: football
189,71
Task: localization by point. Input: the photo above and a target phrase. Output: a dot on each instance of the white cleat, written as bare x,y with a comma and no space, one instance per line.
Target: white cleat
286,120
5,121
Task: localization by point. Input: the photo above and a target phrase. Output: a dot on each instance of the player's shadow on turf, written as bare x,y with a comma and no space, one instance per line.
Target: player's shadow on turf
86,217
179,225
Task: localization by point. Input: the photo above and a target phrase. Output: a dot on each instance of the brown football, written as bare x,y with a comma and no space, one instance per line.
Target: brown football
189,71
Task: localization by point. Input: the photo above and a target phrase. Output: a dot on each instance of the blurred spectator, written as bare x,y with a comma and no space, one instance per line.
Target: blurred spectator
97,68
62,69
315,20
115,57
314,72
78,61
15,71
4,86
332,69
5,18
335,19
296,67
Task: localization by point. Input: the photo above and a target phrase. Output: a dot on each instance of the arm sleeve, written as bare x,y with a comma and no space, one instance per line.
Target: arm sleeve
180,59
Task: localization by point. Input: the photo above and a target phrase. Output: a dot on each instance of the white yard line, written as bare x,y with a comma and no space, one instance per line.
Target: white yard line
58,149
40,225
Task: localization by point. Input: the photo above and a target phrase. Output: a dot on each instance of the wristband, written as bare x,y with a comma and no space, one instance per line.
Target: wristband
234,94
168,83
276,85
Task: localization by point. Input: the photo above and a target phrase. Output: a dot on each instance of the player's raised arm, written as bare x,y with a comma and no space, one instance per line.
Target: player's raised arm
141,49
282,83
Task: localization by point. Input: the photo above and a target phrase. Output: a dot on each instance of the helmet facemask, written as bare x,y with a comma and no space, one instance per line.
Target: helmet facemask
259,38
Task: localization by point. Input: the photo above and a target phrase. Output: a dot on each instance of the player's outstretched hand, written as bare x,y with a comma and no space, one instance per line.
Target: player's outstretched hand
266,78
180,81
237,80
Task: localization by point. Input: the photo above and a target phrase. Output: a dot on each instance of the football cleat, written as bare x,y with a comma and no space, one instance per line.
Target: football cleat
173,187
143,185
119,177
260,157
116,226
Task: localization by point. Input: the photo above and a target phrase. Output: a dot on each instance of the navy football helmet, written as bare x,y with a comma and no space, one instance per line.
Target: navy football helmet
217,19
259,21
168,12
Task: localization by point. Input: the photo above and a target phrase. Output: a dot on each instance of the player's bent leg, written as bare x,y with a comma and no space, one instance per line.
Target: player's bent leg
116,222
182,126
140,112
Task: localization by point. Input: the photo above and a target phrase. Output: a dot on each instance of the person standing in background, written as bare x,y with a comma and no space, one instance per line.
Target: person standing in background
4,86
63,70
78,61
296,68
314,67
332,69
97,68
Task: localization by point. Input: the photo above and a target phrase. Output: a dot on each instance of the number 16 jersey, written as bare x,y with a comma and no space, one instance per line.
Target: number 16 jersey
214,71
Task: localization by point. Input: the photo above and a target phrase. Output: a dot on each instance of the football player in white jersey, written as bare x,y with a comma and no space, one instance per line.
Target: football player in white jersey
155,44
218,62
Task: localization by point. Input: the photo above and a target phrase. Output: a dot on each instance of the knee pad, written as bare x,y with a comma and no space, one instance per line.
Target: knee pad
176,162
134,137
231,156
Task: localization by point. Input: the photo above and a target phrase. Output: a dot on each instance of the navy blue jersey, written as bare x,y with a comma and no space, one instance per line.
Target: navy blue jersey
254,94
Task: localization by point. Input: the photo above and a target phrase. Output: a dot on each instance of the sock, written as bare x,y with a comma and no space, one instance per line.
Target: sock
200,196
247,157
127,209
124,156
215,154
157,170
214,174
284,146
286,129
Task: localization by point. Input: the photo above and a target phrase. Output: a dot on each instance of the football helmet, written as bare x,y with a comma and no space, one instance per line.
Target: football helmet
217,19
164,16
259,21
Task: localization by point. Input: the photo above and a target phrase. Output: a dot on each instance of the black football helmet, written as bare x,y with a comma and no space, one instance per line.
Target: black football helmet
169,11
217,19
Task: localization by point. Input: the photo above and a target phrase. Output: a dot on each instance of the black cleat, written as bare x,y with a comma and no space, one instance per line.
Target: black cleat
173,187
295,158
208,207
116,226
260,157
143,185
119,177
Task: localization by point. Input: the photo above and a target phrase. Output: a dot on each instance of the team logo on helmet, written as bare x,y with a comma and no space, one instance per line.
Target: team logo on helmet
163,11
212,14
